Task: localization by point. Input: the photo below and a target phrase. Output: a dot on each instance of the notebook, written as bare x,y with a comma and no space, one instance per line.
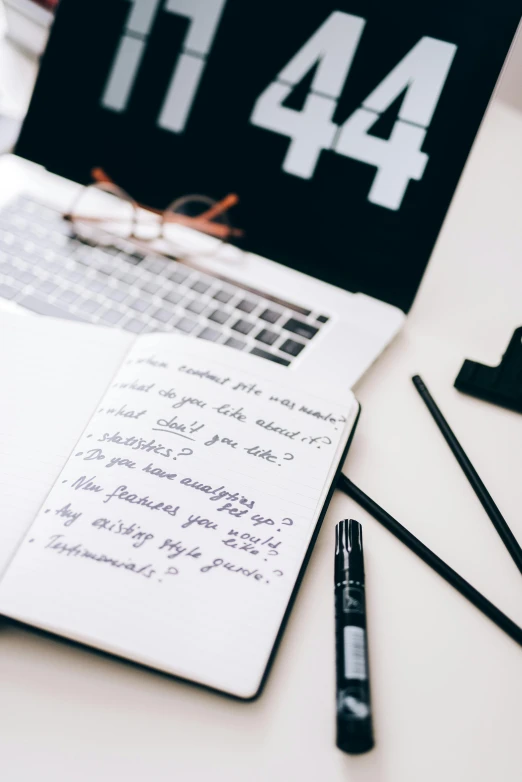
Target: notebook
159,495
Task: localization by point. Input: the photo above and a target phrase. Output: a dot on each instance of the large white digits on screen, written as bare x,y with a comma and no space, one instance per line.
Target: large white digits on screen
331,49
129,54
398,159
422,73
204,18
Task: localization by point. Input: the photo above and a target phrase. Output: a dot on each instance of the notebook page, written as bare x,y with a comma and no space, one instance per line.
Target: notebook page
53,374
176,531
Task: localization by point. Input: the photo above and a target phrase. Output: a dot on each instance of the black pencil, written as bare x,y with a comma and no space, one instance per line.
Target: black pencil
499,522
431,559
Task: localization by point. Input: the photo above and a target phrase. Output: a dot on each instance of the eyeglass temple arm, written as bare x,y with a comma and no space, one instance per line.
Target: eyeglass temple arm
224,205
99,175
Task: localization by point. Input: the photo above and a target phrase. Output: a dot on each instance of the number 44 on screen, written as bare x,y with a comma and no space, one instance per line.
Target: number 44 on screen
422,73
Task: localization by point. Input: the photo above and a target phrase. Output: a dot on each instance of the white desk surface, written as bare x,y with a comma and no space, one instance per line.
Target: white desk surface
447,684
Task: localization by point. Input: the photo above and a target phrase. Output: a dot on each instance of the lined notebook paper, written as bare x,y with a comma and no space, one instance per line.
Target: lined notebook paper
176,529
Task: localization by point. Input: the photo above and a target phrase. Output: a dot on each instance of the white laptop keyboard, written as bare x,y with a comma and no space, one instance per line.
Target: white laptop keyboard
45,268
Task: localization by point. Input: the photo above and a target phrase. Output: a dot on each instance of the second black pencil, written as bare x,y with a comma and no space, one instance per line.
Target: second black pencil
499,522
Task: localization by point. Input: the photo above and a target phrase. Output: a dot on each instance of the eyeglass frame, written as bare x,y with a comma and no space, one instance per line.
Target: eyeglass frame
202,223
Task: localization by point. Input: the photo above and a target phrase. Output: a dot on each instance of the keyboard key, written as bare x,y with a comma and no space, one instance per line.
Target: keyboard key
136,256
94,255
238,344
173,297
29,248
17,222
111,250
117,294
68,296
151,286
37,230
111,317
7,238
271,316
44,308
89,306
125,249
154,265
126,275
300,328
200,286
60,240
223,296
23,276
196,306
105,269
82,257
246,305
129,278
73,275
140,305
163,315
292,347
161,327
243,326
46,287
51,265
133,258
211,334
134,325
322,319
28,258
84,241
9,268
186,324
269,356
96,285
178,274
7,292
219,316
266,336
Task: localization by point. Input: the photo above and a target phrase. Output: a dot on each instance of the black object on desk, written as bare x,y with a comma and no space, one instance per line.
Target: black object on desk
499,522
354,714
501,385
439,566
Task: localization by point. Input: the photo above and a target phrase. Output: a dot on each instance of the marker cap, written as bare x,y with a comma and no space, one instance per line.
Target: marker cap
348,551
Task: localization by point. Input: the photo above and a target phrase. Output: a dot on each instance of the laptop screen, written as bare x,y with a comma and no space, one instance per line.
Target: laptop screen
343,126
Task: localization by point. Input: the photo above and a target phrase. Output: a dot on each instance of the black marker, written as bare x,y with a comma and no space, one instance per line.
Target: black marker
354,715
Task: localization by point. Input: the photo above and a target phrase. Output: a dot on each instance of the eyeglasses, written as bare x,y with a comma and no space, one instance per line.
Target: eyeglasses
118,215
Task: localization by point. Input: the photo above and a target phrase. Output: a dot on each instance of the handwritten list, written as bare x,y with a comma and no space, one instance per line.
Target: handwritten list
176,529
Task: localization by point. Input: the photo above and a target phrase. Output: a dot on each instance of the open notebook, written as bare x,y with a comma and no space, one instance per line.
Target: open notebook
159,494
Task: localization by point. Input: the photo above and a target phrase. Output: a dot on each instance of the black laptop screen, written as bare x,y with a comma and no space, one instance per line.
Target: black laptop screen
342,126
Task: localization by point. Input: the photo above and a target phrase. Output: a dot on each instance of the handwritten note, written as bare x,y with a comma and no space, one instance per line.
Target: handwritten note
176,530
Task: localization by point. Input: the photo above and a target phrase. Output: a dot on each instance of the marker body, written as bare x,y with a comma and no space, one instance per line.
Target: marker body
354,716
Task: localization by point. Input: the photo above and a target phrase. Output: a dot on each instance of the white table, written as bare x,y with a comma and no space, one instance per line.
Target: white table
447,684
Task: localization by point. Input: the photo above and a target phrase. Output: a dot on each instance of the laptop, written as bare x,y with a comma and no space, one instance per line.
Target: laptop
342,127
